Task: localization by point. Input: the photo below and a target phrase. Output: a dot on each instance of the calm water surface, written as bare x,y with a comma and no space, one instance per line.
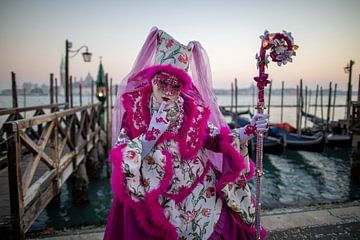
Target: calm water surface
294,179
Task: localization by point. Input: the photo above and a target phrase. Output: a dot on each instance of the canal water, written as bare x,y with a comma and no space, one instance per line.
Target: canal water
294,179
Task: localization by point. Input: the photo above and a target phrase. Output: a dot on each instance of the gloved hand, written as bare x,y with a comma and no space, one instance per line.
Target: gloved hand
259,123
158,125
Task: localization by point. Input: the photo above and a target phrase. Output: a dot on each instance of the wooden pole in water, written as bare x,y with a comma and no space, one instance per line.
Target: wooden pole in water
359,90
24,91
333,111
232,97
309,102
236,97
51,88
56,91
282,103
111,93
301,100
349,92
297,110
14,90
269,98
92,91
71,93
316,99
321,103
329,108
108,121
80,93
306,110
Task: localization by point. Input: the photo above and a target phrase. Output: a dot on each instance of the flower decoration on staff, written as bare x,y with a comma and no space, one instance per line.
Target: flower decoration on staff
282,48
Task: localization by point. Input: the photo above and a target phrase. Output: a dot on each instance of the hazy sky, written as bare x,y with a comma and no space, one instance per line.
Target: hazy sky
33,35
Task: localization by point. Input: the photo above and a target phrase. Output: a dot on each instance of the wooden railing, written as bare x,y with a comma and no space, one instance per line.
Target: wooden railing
14,114
65,139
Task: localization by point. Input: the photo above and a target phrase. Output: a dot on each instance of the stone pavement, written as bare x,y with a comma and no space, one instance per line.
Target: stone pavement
335,221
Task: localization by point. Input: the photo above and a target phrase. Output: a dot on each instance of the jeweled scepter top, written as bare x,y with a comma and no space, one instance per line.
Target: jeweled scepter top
282,48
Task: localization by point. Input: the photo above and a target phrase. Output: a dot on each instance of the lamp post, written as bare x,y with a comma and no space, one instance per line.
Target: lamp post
68,50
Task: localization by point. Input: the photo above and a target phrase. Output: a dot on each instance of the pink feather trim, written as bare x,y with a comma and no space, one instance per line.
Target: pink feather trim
250,174
152,200
230,154
120,190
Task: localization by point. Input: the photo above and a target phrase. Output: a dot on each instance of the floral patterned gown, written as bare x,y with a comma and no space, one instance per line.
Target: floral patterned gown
176,192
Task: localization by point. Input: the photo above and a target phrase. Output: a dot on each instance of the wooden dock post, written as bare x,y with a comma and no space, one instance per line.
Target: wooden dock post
328,108
80,94
321,103
358,98
51,88
305,107
56,91
316,99
71,92
92,91
107,112
111,94
269,100
282,103
236,100
232,97
24,91
349,94
333,111
16,192
301,105
14,90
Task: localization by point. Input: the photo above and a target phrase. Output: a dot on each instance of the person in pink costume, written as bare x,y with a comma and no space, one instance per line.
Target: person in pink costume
178,171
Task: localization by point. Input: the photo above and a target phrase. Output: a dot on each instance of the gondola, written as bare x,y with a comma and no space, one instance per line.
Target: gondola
306,141
338,140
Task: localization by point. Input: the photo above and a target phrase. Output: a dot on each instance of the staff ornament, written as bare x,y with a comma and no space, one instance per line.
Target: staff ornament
281,49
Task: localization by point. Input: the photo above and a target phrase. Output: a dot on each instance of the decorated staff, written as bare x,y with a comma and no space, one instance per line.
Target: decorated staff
282,49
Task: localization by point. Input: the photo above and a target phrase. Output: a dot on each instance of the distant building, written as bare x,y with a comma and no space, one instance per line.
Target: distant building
27,86
37,91
88,82
45,89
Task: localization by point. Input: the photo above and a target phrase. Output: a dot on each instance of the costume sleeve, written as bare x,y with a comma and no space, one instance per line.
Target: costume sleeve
214,139
232,184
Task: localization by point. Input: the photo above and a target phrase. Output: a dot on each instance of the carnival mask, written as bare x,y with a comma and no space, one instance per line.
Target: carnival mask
166,87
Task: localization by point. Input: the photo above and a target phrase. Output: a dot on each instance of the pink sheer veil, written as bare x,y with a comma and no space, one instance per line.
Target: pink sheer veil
201,91
144,59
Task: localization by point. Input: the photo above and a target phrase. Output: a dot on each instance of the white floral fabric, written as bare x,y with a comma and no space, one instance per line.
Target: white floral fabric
198,210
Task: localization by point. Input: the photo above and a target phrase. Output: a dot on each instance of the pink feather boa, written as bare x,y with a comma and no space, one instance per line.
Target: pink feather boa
159,226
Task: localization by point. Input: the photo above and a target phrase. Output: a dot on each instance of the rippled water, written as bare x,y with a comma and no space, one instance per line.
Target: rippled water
296,178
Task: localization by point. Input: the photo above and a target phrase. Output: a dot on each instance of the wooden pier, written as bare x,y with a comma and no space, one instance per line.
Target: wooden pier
39,153
30,181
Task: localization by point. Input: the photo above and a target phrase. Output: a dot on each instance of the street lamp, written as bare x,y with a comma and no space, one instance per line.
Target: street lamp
100,84
86,57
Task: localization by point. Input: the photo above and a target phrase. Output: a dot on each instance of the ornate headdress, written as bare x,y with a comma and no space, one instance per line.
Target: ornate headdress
162,53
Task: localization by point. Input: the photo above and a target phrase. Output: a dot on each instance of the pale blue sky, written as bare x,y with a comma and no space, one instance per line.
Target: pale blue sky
33,36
